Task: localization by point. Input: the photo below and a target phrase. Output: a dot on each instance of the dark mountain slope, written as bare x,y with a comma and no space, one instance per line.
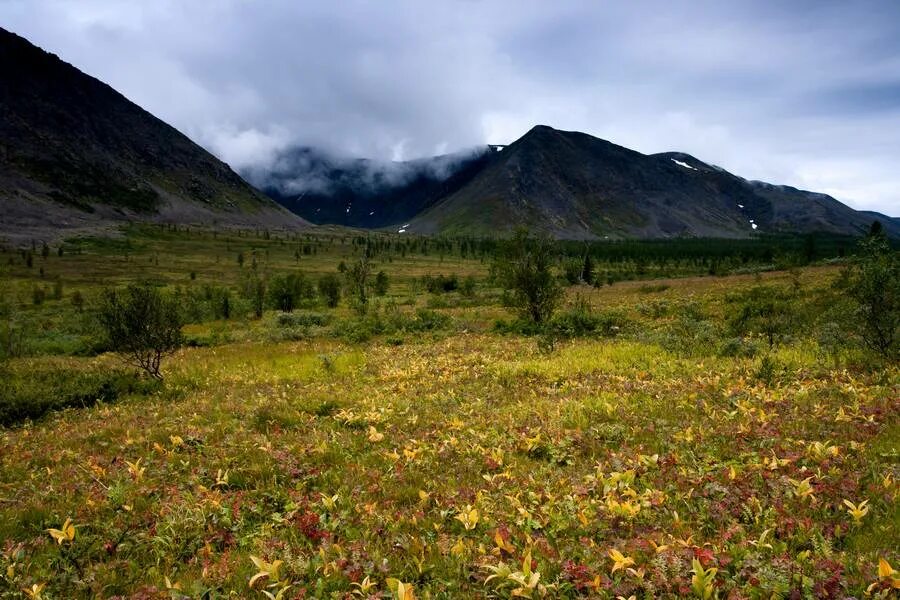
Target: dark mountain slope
75,151
573,185
363,193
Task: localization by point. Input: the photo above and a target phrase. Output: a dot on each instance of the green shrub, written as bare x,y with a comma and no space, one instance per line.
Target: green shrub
764,310
31,393
142,325
653,288
523,268
440,284
304,319
692,334
287,291
467,288
875,285
381,283
738,347
330,289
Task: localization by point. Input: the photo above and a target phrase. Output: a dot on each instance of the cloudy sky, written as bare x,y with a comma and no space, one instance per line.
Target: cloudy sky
805,92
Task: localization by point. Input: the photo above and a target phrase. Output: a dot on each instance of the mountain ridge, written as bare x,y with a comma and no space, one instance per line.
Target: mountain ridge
75,153
576,186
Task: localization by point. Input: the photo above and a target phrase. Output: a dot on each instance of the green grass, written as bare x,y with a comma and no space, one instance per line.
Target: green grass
357,459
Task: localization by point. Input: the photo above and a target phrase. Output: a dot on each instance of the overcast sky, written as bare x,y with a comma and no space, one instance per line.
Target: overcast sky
800,92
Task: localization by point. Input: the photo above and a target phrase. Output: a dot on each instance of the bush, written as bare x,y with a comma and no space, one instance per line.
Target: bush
875,285
468,287
287,291
381,283
440,283
579,323
31,394
523,267
306,319
738,347
357,276
392,322
142,325
765,310
253,288
692,334
330,289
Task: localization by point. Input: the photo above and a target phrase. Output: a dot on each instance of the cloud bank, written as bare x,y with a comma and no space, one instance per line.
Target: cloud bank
804,93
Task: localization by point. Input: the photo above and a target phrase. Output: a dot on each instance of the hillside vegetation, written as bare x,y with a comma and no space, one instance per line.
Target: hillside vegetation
660,436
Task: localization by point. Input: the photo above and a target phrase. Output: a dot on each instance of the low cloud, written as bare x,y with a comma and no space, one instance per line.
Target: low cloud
298,171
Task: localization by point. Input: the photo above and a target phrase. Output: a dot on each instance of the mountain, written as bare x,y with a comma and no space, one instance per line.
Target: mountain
75,154
324,188
573,185
567,184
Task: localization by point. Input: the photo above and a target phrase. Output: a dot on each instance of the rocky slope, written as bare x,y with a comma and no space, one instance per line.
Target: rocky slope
75,154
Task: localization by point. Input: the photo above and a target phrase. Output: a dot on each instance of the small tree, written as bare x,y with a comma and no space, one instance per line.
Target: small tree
765,310
330,288
357,276
286,291
875,286
587,269
254,290
142,325
523,267
381,283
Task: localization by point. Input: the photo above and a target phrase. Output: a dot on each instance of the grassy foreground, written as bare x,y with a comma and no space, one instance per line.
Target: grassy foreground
464,463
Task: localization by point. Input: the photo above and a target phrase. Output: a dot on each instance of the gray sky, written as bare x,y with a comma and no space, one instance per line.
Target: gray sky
804,92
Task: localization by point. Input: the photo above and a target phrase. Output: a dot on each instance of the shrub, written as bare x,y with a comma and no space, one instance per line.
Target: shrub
305,319
330,289
253,288
142,325
31,394
357,276
77,300
287,291
523,267
875,285
440,284
468,287
692,334
653,288
381,283
764,310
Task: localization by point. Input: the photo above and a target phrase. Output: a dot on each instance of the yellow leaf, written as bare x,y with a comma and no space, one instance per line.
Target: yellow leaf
374,435
620,561
35,591
884,568
468,517
66,534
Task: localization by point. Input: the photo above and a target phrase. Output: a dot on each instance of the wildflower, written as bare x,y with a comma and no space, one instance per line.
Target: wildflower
857,511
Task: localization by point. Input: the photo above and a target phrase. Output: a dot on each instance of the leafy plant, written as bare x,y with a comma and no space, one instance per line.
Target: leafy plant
142,325
524,268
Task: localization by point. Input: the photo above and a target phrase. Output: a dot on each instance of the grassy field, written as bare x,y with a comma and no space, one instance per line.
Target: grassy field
421,452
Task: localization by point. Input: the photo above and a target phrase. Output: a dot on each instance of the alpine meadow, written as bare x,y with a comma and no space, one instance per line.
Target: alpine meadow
355,326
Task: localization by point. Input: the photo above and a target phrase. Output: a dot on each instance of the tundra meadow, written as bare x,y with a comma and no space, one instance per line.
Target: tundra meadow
660,437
